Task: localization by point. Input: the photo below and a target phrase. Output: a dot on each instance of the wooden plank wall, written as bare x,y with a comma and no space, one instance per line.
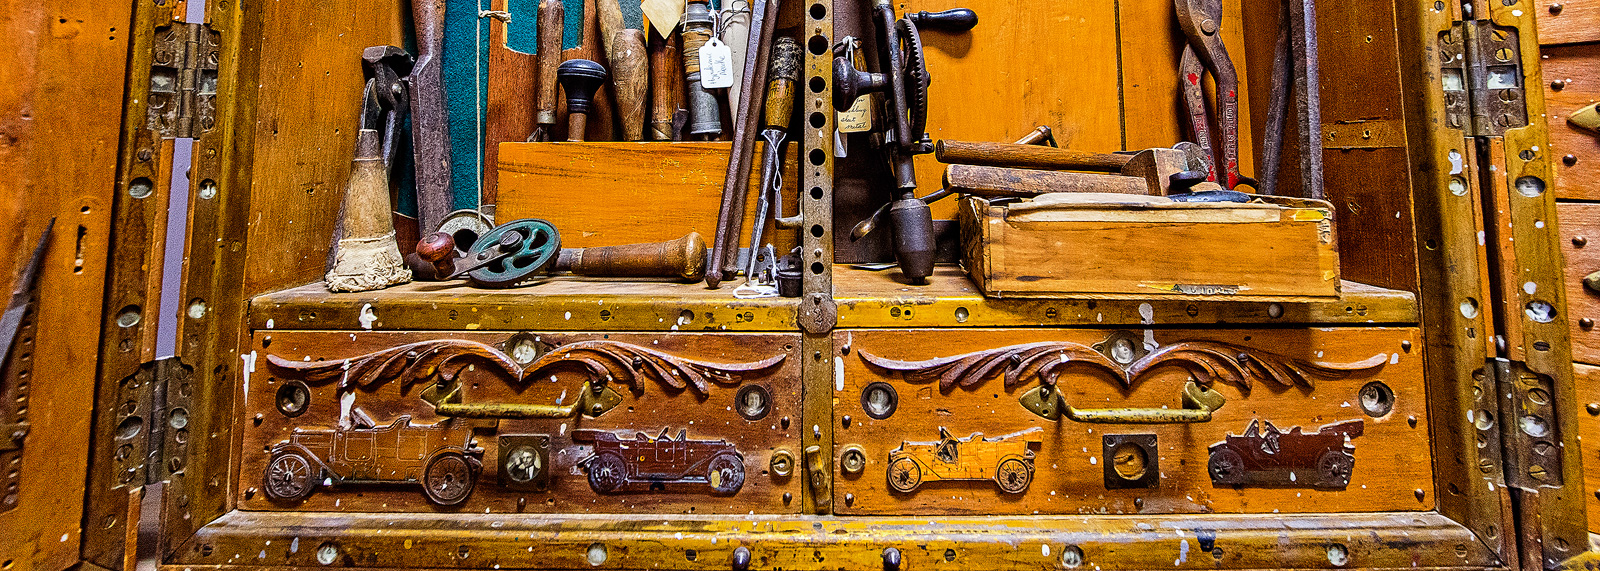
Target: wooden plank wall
309,106
61,85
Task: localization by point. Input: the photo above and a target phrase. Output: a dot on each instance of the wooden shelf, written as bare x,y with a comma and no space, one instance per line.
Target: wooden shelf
882,299
869,299
558,304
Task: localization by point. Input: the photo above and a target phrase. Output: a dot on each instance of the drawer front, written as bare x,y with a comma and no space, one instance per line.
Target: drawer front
1311,420
485,422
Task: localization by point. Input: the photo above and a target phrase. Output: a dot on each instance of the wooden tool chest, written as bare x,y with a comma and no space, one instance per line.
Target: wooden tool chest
1412,393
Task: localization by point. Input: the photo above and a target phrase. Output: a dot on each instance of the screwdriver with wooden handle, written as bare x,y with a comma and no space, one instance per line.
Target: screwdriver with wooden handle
552,19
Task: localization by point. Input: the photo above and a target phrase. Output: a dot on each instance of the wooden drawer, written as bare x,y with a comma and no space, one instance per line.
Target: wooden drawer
1298,380
690,423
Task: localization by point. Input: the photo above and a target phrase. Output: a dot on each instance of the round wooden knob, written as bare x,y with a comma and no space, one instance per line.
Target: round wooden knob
438,249
580,78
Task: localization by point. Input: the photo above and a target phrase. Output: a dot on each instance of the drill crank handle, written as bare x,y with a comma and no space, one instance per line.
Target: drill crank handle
953,20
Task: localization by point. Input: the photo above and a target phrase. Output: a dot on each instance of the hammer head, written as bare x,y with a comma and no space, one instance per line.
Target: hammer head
1157,166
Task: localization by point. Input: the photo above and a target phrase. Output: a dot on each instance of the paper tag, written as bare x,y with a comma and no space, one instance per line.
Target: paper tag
858,118
663,15
716,65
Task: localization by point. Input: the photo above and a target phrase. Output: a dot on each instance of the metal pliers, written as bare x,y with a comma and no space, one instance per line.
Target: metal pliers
386,100
1203,51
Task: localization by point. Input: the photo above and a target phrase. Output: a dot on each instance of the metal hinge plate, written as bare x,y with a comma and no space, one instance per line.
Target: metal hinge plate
152,421
1531,437
1481,74
183,80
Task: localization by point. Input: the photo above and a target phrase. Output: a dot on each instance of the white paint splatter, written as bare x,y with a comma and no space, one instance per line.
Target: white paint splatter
367,316
1183,553
249,367
270,324
1530,287
838,373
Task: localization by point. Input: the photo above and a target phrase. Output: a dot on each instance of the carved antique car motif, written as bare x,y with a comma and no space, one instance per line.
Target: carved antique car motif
618,463
1008,460
1267,456
440,456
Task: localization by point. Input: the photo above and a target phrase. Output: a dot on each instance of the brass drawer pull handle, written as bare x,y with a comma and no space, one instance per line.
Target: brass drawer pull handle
593,400
1198,404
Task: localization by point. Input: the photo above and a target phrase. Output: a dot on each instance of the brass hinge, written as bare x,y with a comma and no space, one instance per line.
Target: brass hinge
1481,74
183,80
152,423
1530,435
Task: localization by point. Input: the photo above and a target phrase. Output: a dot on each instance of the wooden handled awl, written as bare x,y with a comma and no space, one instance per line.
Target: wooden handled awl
666,82
551,21
579,79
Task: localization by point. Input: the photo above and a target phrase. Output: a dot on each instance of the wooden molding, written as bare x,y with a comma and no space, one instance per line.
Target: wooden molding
605,359
1207,360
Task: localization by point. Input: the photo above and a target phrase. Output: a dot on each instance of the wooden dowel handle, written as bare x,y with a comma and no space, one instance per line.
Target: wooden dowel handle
665,80
684,258
576,124
782,77
1023,183
551,28
610,23
630,75
1027,156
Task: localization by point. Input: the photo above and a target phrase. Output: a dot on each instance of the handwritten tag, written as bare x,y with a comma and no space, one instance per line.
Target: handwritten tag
858,118
716,65
663,15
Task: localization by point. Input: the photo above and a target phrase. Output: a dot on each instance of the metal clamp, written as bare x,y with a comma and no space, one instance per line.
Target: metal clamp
593,400
1198,404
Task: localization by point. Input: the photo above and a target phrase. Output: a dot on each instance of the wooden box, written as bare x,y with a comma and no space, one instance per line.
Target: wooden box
1273,249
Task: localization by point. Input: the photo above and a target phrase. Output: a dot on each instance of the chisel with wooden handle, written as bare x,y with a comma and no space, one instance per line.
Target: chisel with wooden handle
630,68
552,19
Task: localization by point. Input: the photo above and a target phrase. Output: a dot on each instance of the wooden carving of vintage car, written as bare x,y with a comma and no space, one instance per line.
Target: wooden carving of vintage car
440,456
1008,460
618,462
1265,455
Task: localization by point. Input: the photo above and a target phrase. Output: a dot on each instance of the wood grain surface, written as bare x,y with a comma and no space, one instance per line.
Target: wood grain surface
1572,23
309,104
62,86
513,83
1587,386
607,194
1580,223
653,407
1390,458
1575,68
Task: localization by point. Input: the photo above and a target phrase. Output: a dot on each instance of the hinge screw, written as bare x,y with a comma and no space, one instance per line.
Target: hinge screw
1579,241
1555,8
1558,85
1420,494
1569,160
1594,409
1586,323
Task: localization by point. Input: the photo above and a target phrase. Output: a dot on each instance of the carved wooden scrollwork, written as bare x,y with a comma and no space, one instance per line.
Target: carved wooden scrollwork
611,361
1209,361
